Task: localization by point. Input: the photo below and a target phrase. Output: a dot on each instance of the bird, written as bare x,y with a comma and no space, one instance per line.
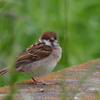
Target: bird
39,59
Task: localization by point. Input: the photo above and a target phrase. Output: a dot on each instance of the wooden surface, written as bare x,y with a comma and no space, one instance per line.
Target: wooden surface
80,82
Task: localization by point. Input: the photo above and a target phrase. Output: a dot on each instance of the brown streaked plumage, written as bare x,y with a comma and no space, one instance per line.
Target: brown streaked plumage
4,71
35,52
40,58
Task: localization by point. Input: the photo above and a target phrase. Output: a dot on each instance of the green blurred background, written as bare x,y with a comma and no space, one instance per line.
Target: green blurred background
77,23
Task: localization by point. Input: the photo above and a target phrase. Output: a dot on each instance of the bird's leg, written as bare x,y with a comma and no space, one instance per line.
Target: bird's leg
34,81
41,82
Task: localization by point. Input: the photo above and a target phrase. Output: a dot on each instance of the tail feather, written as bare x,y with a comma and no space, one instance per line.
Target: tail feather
4,71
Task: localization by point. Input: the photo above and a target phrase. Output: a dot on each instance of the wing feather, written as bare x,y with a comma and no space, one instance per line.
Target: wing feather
35,52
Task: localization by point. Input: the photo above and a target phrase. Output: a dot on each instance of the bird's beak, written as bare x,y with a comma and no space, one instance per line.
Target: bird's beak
52,39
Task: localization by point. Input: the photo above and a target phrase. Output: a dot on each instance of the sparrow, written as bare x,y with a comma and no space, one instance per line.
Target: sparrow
39,59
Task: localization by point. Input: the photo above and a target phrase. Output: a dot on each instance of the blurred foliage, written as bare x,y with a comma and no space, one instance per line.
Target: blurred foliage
77,23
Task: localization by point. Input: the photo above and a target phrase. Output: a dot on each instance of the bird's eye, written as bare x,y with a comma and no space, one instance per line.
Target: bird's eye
47,38
55,38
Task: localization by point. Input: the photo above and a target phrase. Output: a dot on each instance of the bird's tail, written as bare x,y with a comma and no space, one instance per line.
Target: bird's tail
4,71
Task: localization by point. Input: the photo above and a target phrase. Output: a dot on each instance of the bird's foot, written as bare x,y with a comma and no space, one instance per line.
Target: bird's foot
40,82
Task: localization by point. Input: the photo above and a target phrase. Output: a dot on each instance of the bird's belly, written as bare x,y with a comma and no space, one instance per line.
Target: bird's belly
41,70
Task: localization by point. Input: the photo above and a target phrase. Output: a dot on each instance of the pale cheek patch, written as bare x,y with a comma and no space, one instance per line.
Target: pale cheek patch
56,43
47,42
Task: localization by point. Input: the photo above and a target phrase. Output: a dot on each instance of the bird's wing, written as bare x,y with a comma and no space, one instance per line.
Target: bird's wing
34,53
